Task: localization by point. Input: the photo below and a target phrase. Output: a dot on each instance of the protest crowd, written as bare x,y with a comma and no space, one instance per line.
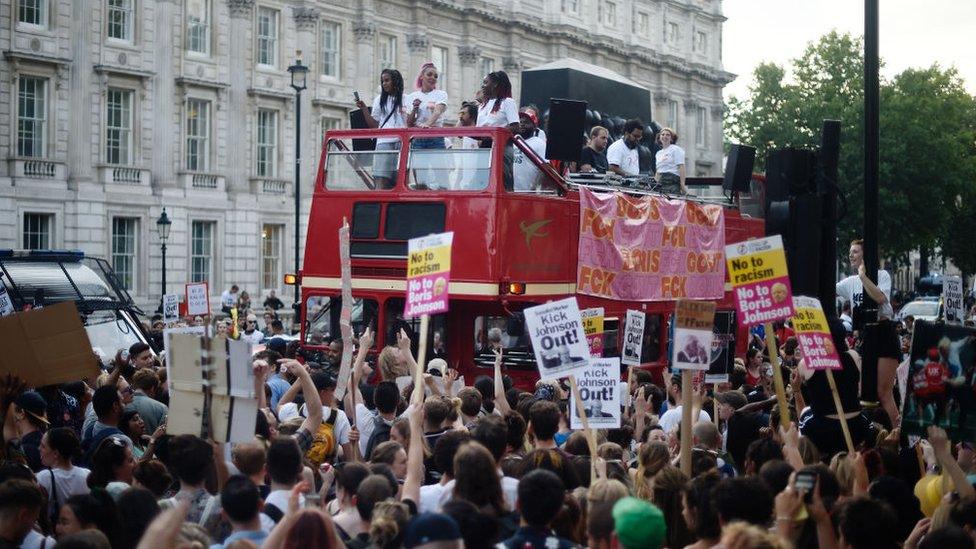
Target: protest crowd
432,463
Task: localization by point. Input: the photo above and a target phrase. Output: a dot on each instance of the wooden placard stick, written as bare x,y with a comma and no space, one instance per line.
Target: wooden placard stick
418,375
840,411
784,408
686,410
352,416
590,436
715,404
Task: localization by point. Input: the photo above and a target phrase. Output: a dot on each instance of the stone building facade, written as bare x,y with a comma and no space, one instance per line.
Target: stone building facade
116,109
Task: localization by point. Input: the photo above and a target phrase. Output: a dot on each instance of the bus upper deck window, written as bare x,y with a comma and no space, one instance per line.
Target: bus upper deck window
360,165
449,164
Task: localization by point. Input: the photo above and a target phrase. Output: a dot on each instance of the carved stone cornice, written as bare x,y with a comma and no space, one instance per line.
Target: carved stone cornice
241,8
363,31
306,18
468,55
512,64
417,43
718,111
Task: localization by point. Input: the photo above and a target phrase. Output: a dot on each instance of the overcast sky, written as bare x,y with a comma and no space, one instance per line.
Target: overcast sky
913,34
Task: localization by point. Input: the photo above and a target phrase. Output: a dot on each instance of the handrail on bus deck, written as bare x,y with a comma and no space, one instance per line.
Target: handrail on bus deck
543,166
354,162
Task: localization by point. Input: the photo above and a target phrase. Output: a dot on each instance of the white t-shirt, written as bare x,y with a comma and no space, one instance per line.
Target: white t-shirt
342,427
506,114
71,482
526,175
398,120
672,418
228,299
428,102
432,496
852,290
627,159
255,337
279,498
668,160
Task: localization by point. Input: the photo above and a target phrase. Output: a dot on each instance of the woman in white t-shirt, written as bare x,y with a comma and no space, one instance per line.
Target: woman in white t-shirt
427,105
498,108
670,163
387,113
61,479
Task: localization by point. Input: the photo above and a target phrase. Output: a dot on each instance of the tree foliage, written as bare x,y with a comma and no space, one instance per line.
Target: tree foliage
928,141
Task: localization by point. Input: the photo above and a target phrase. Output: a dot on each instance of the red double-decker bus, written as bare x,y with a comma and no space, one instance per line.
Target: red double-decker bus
515,244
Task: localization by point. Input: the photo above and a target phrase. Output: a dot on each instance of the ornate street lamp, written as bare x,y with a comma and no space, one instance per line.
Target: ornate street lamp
299,72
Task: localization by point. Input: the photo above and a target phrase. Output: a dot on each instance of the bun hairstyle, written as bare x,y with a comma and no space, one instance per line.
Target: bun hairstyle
389,524
419,83
65,442
674,135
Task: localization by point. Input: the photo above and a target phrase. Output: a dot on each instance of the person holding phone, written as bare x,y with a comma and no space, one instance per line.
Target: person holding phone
387,113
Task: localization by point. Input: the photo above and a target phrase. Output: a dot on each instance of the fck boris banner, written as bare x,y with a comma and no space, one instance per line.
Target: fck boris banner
649,248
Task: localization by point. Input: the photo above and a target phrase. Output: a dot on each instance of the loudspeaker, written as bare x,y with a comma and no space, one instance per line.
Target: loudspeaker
738,168
790,172
803,244
357,121
567,122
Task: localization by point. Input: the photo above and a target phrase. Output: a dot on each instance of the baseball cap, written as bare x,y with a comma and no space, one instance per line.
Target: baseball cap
735,399
34,404
438,365
531,116
638,524
430,527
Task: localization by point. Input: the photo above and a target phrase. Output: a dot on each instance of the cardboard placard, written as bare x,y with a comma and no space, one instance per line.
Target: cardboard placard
46,346
952,299
197,299
633,338
6,305
211,388
345,314
760,280
556,330
693,334
600,392
813,334
593,328
171,308
428,274
723,348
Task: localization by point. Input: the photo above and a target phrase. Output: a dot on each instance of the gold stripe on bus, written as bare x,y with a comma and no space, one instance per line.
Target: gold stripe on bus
461,288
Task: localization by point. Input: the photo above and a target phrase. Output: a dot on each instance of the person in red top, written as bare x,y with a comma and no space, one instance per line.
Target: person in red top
754,366
783,331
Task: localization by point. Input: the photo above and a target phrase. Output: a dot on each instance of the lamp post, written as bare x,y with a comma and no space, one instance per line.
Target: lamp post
162,229
298,74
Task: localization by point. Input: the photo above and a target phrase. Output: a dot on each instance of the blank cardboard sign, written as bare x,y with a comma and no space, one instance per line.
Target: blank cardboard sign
46,346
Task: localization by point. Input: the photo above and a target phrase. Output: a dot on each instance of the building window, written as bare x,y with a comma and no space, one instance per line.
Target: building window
608,13
267,37
700,127
701,42
118,127
198,26
120,19
571,6
32,12
38,231
271,239
197,135
643,24
487,65
672,119
267,142
31,116
331,50
330,123
202,251
124,230
438,55
388,51
671,33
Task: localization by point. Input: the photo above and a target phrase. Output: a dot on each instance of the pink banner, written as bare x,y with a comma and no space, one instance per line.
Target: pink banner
650,248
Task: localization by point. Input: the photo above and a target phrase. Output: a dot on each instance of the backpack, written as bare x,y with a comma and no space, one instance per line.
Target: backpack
324,440
380,434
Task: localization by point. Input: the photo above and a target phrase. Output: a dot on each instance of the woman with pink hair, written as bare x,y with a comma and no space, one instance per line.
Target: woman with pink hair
427,105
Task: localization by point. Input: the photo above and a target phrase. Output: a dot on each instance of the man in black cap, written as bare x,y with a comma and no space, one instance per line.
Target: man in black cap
433,531
30,422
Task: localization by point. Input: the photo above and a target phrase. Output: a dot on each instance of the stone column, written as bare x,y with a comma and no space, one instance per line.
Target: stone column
367,78
419,47
513,67
306,21
238,168
80,121
470,79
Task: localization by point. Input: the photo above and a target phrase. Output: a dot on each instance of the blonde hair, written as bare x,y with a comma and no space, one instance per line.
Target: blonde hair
389,524
841,466
607,490
674,134
741,535
389,364
653,457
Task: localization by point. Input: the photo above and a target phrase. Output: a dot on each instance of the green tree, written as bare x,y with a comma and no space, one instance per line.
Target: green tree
927,137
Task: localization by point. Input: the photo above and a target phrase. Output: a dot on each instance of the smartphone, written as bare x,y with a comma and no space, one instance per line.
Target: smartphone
805,481
356,95
312,501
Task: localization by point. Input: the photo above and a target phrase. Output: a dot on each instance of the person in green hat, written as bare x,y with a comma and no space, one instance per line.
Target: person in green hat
638,524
